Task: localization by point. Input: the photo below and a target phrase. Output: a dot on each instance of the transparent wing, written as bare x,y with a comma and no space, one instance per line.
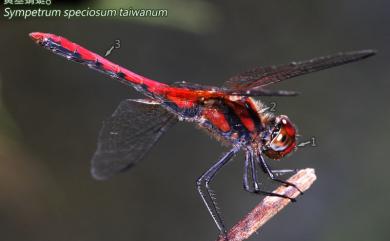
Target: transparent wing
131,131
238,92
262,76
260,92
194,86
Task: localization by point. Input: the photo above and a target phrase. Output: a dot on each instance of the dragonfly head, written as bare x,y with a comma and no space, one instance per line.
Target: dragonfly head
281,138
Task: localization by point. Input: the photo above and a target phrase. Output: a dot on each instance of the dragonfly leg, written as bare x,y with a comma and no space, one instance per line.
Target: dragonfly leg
271,174
259,191
256,186
204,190
280,172
248,156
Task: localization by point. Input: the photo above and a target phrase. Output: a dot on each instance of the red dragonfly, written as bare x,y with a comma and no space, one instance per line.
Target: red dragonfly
229,113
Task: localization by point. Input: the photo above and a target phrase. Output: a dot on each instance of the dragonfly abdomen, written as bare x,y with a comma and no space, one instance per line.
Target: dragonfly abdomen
77,53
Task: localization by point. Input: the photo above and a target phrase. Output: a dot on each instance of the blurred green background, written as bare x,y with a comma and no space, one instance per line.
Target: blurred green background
51,112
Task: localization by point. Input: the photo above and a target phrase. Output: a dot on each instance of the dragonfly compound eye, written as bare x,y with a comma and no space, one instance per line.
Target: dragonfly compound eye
283,139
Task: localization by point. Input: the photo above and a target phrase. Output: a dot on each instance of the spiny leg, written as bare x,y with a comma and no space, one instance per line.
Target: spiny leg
270,173
202,185
256,185
279,172
248,168
270,194
248,156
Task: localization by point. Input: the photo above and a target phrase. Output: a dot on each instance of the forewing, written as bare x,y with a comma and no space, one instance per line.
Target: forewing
194,86
262,76
260,92
238,92
131,131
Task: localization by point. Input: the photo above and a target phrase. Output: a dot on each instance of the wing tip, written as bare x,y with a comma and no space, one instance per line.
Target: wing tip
97,175
101,170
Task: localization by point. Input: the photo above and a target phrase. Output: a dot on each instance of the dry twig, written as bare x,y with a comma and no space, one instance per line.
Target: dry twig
270,206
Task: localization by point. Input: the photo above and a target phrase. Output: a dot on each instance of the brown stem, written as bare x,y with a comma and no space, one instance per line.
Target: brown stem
270,206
